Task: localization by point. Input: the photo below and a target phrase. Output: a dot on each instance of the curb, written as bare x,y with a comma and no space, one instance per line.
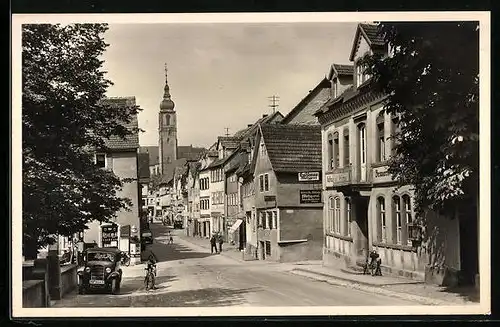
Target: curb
334,280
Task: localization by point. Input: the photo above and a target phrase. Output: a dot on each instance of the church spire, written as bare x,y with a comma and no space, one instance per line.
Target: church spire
167,103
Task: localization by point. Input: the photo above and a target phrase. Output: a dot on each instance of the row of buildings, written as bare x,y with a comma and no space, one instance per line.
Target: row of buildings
314,184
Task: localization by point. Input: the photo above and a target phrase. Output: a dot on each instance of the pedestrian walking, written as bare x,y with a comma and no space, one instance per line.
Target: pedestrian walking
170,238
220,240
213,244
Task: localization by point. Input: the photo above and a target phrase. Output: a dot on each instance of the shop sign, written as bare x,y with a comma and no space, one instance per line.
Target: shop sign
381,174
310,196
308,176
110,235
337,178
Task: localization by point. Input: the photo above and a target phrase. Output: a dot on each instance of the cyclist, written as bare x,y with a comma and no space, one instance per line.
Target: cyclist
151,263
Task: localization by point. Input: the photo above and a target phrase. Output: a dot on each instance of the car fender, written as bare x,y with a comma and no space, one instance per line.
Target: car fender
113,275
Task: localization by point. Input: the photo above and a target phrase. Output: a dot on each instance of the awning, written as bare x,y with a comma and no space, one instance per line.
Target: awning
235,226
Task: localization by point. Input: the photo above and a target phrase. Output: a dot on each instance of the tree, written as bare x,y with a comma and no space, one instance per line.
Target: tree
431,79
63,120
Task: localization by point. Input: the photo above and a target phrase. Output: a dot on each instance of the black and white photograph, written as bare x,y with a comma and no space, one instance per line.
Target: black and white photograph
250,164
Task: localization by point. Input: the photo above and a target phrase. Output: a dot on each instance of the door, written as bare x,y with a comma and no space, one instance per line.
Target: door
362,151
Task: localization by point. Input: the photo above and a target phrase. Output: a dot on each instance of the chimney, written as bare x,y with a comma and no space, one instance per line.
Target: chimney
249,125
264,115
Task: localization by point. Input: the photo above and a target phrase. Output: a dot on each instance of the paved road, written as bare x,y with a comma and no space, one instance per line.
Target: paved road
188,275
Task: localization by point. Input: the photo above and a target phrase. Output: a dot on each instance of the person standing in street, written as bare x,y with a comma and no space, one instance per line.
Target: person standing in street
213,244
170,238
220,240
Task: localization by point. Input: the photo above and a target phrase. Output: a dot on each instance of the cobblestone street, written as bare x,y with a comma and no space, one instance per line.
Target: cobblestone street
188,275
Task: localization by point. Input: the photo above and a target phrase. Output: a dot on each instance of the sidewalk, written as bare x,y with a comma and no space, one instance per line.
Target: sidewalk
388,285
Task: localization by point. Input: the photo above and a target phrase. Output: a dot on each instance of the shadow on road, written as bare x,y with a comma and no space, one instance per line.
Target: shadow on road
169,252
131,285
208,297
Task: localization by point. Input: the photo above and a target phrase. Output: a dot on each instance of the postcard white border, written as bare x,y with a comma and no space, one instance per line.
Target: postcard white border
484,307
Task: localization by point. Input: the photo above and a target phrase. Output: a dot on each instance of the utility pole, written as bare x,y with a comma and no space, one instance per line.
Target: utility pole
227,131
274,102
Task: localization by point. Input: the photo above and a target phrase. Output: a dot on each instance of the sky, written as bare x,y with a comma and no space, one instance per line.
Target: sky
220,75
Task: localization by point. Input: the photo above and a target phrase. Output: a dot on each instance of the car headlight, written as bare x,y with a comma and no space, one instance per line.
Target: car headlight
108,270
87,269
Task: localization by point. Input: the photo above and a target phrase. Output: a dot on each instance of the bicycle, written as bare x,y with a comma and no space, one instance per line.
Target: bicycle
149,279
125,259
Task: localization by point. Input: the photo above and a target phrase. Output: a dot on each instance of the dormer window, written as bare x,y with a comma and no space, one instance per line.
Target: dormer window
361,77
334,88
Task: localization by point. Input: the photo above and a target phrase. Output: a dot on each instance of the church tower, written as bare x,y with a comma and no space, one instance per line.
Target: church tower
167,128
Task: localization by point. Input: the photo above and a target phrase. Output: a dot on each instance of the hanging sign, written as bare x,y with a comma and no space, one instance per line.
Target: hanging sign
308,176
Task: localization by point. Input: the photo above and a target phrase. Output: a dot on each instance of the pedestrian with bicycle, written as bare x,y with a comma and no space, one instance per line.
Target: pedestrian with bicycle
149,280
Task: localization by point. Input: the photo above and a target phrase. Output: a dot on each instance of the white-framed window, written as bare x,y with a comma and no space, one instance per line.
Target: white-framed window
261,219
336,151
348,216
408,214
382,219
266,182
269,219
346,147
275,219
337,215
100,160
359,74
397,216
331,211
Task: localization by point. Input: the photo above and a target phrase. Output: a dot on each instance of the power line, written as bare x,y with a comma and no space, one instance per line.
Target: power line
274,102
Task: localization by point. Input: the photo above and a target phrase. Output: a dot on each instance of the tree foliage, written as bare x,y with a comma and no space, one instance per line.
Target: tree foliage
63,120
431,79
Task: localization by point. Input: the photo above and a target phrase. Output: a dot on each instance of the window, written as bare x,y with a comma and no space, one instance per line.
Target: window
268,248
337,215
395,130
262,149
330,151
336,156
330,215
397,216
408,214
346,147
269,220
275,219
100,160
380,137
359,74
166,120
362,142
261,219
334,88
266,182
382,222
261,183
348,216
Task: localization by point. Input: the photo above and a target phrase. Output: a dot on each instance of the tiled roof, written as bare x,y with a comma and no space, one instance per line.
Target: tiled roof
344,69
247,132
189,152
217,163
154,153
303,112
371,32
236,161
170,170
130,141
230,142
143,162
293,148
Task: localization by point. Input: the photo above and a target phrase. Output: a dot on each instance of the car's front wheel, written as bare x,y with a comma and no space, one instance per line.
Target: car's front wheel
81,290
114,286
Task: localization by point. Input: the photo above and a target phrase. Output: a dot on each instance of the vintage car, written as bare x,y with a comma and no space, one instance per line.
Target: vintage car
101,270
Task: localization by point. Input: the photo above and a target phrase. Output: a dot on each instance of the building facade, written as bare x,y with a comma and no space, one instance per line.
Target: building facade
167,129
364,208
121,157
289,211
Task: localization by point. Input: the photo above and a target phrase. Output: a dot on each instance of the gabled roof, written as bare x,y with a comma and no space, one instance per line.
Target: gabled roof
189,152
340,70
229,142
130,141
307,100
217,163
293,148
275,117
371,34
